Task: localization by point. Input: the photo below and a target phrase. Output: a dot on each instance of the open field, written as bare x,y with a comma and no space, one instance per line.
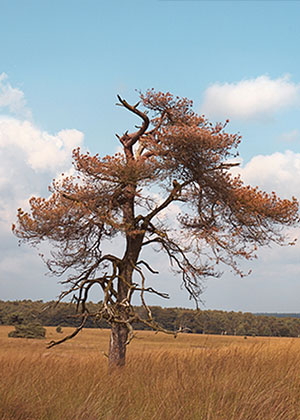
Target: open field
193,377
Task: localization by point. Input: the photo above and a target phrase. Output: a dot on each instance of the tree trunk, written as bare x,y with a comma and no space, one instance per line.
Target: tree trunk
119,330
117,345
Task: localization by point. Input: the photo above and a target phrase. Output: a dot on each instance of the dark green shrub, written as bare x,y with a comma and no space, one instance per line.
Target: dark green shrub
30,330
58,329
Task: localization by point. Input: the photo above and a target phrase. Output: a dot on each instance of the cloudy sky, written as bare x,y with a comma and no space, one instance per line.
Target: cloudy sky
62,64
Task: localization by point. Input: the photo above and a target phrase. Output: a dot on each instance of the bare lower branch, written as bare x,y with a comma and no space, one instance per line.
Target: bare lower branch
68,337
151,290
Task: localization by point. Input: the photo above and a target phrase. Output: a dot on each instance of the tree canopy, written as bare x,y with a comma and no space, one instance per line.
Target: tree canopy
174,156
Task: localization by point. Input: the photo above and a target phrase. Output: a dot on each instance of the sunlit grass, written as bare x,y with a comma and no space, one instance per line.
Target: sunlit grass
193,377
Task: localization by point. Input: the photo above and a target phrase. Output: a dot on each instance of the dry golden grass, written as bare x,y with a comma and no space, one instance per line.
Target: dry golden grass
194,377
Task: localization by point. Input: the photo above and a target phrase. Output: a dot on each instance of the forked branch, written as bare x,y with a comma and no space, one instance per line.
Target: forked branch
128,140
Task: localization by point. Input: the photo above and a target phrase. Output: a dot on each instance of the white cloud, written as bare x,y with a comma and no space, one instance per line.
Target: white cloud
40,150
250,99
279,172
29,159
12,99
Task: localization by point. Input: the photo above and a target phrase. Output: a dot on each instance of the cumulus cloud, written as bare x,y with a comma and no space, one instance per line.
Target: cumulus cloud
12,99
41,151
29,156
279,172
250,99
29,159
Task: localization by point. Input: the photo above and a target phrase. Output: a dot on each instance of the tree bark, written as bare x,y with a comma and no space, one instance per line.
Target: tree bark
119,330
117,345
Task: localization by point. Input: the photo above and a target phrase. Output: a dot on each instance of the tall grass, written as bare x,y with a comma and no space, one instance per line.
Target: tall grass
190,378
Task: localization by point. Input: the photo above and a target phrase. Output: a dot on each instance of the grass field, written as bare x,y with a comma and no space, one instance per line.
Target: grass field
193,377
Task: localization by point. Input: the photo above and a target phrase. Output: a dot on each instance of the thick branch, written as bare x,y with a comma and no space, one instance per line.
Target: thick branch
128,140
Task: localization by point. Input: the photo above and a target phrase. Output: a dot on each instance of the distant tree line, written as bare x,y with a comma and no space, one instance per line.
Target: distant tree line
279,314
188,320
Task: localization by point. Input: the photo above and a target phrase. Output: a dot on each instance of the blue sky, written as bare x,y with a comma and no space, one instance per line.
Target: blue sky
62,65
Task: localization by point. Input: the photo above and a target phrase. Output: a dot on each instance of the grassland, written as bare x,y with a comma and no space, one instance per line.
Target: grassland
195,377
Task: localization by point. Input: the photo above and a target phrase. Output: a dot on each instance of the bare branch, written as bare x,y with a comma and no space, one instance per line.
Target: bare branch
68,337
151,290
174,195
128,140
148,266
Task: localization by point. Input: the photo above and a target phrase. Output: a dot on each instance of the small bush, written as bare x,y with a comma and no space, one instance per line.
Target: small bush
30,330
59,329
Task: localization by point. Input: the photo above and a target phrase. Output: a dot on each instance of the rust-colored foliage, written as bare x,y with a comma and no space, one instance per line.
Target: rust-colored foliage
176,156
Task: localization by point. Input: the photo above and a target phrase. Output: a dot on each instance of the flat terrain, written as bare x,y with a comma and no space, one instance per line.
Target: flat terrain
192,377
